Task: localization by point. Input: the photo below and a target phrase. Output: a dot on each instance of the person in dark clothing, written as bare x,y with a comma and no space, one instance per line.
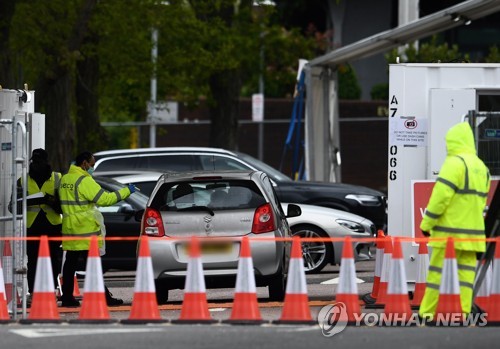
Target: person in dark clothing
42,217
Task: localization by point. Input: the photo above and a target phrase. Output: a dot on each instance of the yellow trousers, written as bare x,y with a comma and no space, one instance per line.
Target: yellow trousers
466,261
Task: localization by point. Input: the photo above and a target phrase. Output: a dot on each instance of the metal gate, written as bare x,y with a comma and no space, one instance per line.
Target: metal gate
20,129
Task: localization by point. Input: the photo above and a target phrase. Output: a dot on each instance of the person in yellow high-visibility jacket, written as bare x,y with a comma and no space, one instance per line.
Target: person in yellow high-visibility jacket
456,209
42,217
79,195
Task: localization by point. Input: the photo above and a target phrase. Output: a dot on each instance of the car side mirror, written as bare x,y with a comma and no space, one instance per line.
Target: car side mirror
293,211
127,209
138,215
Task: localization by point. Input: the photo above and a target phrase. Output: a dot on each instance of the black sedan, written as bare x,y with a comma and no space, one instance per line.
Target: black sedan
120,223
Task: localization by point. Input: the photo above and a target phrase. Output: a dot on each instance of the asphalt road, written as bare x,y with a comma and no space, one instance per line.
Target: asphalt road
321,290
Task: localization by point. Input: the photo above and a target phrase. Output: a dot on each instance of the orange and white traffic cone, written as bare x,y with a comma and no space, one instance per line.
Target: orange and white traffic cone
76,289
94,308
397,306
421,280
482,298
379,256
245,306
194,306
494,302
43,304
144,304
4,312
384,278
7,262
347,291
296,306
449,291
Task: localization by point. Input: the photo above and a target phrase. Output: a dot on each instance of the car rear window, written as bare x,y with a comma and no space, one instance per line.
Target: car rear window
216,195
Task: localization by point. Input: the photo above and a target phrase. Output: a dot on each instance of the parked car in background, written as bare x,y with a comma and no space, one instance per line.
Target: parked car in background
322,222
215,205
315,221
363,201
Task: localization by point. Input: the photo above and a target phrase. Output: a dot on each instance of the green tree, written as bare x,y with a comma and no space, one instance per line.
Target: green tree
493,55
7,77
48,37
90,61
428,52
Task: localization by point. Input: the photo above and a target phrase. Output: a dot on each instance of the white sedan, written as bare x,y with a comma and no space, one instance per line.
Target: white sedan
322,222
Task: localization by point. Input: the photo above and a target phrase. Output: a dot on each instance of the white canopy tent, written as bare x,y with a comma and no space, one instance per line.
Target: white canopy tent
322,151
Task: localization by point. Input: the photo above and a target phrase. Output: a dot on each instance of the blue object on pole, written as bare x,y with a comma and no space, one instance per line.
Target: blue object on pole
295,129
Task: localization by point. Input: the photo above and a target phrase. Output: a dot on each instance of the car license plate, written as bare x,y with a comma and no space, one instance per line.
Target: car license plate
212,248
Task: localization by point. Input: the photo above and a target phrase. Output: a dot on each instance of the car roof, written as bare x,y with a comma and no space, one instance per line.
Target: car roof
238,175
106,153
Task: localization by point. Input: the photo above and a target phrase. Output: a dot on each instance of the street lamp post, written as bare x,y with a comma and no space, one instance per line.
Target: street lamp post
152,104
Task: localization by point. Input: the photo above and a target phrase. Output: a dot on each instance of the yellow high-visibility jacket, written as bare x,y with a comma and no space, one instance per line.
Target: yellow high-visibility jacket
79,195
458,200
47,188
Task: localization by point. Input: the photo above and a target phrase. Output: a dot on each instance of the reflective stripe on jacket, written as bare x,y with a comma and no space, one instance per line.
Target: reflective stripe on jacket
79,195
458,200
48,187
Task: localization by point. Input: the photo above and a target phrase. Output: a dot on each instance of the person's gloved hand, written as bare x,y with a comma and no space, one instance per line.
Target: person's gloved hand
426,233
131,187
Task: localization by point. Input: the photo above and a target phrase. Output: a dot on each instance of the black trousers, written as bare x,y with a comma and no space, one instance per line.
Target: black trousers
70,266
74,261
41,226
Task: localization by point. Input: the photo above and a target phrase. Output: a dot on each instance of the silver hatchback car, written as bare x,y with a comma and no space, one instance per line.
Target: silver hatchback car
220,208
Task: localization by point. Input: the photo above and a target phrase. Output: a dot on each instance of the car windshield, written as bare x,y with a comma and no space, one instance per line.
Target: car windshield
273,173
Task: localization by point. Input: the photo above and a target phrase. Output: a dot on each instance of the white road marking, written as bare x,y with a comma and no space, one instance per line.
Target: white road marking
217,309
59,332
300,329
335,281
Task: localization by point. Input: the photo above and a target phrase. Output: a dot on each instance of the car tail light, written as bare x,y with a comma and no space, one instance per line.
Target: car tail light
153,224
263,220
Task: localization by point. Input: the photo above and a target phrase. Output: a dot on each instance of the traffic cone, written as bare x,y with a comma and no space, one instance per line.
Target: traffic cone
296,307
94,308
397,306
494,303
245,306
8,261
421,280
347,291
43,304
76,289
379,256
4,312
384,277
482,298
194,306
449,290
144,304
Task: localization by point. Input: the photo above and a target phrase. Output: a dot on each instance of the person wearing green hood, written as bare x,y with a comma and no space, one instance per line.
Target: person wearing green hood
455,210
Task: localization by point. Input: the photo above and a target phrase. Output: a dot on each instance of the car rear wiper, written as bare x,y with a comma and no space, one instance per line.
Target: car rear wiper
197,208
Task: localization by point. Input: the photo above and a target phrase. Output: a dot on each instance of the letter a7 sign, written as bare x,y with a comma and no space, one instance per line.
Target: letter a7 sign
421,192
